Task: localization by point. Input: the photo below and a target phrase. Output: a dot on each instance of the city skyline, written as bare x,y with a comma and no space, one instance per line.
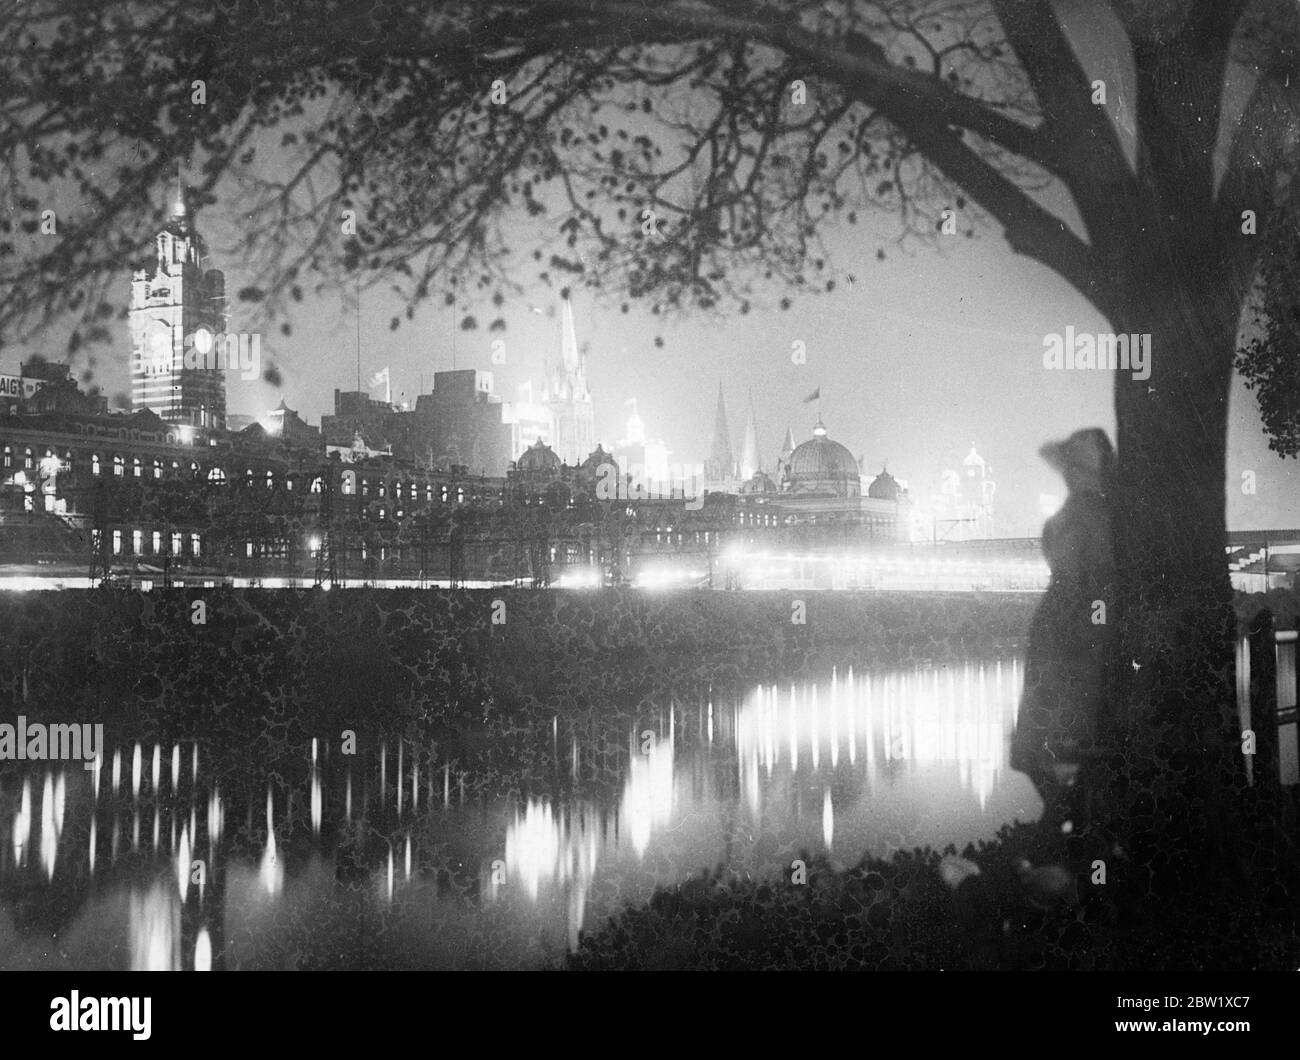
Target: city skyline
900,409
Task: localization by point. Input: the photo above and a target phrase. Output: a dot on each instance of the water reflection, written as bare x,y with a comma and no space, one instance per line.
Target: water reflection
155,929
851,764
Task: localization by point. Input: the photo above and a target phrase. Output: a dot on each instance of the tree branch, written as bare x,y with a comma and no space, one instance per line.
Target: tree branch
876,80
1262,157
1076,134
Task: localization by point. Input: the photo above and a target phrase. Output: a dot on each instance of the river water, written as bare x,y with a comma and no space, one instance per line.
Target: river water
395,857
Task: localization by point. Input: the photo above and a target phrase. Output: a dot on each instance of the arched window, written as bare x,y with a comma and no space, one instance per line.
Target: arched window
94,463
316,484
119,466
217,476
9,456
135,466
28,461
270,481
157,469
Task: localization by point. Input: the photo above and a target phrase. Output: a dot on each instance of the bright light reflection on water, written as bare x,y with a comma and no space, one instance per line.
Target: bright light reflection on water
847,765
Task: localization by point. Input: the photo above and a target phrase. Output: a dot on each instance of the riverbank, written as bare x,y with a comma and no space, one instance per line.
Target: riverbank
264,670
900,915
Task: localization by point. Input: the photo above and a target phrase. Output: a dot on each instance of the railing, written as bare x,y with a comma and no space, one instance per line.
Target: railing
1266,701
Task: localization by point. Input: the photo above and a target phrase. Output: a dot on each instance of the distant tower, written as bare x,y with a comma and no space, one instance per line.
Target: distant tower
645,457
749,462
976,494
171,299
573,433
635,425
721,466
783,463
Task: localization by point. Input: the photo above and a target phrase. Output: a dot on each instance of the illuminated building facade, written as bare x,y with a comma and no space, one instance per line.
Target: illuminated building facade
173,300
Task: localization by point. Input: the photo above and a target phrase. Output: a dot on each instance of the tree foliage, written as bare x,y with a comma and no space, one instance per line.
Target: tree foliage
1270,360
688,153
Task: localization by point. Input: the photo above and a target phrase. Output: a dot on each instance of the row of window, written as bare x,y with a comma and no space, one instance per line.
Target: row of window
409,491
137,541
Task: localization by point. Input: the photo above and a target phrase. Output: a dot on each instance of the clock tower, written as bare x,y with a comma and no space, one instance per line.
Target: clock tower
171,299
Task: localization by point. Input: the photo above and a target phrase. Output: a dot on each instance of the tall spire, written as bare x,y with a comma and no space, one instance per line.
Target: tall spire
569,339
178,205
749,463
788,446
573,433
722,464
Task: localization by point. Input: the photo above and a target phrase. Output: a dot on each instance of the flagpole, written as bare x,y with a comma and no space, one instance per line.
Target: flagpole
358,333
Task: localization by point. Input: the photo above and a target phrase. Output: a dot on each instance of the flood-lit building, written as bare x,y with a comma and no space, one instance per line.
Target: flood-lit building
178,320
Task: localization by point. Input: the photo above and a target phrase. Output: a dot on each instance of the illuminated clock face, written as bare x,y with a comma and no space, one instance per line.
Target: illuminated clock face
158,347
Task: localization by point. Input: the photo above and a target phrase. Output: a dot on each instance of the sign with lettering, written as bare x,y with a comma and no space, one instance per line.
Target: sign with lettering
14,386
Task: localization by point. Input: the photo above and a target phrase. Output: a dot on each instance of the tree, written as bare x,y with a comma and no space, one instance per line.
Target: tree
689,153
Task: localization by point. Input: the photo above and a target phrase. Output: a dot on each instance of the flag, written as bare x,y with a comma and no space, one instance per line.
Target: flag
380,378
813,396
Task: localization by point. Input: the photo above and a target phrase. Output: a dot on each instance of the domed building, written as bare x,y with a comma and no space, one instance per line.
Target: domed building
822,467
538,473
884,487
818,496
759,482
538,458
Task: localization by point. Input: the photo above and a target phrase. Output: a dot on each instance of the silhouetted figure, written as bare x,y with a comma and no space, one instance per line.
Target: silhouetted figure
1068,660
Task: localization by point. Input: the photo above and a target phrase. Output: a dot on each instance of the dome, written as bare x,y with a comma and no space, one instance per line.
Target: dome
974,462
538,457
884,487
761,482
596,459
820,465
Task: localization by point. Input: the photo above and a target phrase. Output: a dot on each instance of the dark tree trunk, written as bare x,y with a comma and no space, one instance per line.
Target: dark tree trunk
1177,771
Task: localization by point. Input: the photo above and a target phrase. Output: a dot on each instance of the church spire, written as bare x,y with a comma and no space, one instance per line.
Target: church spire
722,464
749,462
569,339
573,434
178,204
